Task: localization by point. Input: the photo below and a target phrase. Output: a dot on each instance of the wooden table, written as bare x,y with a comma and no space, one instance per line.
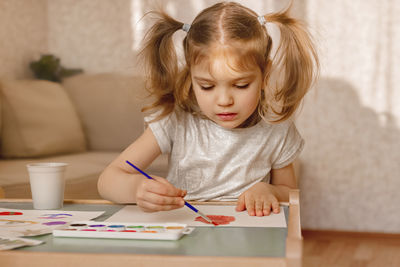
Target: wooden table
255,247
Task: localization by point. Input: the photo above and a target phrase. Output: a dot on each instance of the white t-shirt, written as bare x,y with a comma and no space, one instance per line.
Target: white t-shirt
215,163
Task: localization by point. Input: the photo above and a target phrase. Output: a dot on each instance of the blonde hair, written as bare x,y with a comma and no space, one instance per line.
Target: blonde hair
294,66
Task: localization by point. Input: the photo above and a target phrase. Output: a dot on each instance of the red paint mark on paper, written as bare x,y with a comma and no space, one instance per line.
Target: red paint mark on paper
6,213
217,219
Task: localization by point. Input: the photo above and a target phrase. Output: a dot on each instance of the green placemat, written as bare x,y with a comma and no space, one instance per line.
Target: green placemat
203,241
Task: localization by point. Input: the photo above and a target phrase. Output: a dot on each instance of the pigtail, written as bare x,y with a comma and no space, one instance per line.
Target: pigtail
294,66
161,63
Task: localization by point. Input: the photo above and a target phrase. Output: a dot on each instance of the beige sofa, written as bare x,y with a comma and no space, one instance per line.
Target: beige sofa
86,122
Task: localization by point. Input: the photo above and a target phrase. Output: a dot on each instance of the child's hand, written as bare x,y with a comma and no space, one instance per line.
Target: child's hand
259,200
159,194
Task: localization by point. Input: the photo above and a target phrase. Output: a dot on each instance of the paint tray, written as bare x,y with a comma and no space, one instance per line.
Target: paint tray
93,229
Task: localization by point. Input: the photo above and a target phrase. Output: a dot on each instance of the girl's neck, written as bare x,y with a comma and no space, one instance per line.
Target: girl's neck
251,121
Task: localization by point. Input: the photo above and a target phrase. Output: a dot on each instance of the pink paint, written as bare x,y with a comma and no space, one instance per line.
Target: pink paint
55,216
217,219
54,223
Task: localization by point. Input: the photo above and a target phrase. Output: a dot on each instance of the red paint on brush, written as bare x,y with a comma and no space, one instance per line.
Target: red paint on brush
217,219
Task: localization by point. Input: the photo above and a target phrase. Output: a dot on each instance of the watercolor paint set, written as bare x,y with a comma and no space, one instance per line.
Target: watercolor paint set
93,229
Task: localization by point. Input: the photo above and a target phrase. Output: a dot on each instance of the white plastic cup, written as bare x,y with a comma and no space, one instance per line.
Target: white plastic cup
47,184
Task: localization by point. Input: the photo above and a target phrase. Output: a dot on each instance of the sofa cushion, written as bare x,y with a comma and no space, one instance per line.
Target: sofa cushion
81,174
109,105
38,119
80,165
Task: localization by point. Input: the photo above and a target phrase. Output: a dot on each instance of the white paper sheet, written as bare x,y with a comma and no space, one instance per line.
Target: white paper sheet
133,214
18,223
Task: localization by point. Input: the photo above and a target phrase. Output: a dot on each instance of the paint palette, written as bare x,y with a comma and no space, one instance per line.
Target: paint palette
93,229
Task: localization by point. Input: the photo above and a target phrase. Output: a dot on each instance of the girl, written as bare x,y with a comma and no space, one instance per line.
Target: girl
223,116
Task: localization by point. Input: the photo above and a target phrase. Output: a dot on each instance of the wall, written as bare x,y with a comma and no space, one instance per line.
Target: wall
23,35
93,35
351,120
105,35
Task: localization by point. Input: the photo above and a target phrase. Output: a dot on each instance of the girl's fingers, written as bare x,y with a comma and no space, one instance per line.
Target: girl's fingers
151,202
259,208
275,206
240,206
159,195
151,207
266,208
162,180
161,186
162,200
250,206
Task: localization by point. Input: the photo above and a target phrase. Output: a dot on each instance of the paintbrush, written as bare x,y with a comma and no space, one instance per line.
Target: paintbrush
186,204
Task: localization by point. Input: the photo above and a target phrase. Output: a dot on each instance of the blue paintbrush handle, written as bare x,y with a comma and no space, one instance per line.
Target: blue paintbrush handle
139,170
191,207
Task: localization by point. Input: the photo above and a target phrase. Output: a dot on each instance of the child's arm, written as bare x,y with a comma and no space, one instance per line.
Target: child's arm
120,183
262,197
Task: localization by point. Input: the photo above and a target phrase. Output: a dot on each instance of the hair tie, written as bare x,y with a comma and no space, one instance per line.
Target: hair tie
186,27
262,20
